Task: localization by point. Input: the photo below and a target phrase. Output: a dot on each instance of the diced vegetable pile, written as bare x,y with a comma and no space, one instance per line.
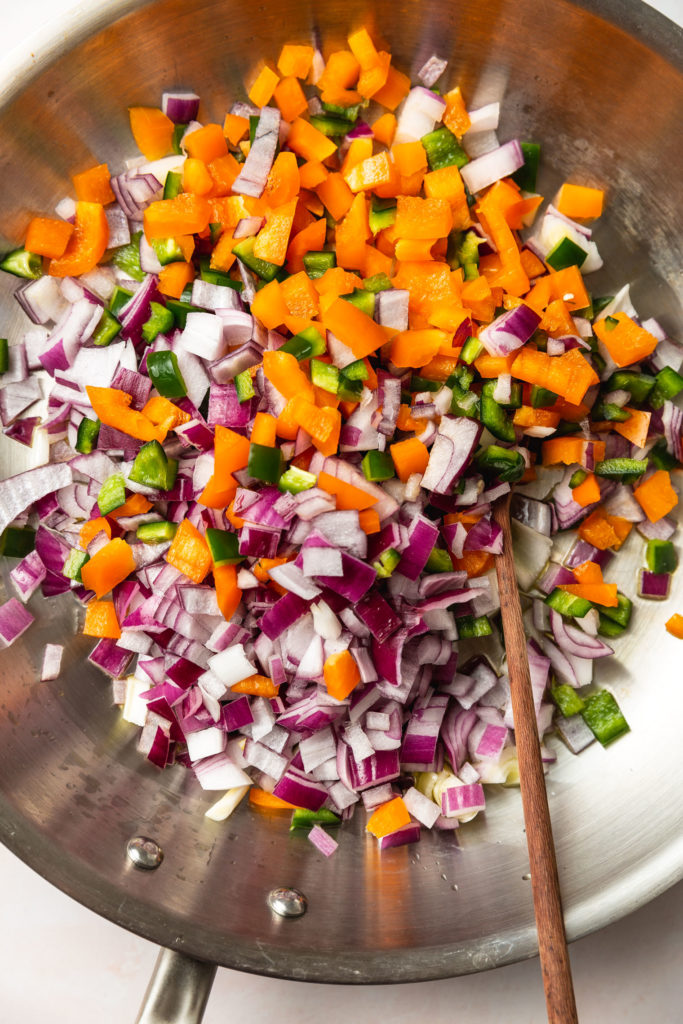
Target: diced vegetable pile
281,368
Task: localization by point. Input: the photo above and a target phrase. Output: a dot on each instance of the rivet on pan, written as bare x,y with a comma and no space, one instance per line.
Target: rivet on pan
144,852
287,902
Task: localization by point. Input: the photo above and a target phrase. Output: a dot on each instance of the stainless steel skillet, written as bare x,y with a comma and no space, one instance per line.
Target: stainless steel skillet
601,86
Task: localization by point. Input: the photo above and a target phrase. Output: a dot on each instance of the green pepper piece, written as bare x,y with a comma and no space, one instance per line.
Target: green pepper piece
106,330
365,301
604,717
303,818
224,547
156,533
86,438
168,251
504,463
244,386
332,127
541,398
424,384
467,254
161,321
356,370
22,263
661,457
464,403
377,283
17,541
305,344
609,628
668,384
127,259
244,251
163,371
173,185
622,613
618,469
568,604
610,412
493,415
348,113
120,297
317,263
377,466
207,273
264,463
179,308
325,376
295,480
443,149
112,494
382,214
439,561
577,478
566,253
471,350
566,699
349,390
4,355
526,175
74,563
638,385
386,563
178,132
661,556
153,468
471,627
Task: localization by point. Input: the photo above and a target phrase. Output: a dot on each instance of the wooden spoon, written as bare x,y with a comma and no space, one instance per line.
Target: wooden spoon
552,941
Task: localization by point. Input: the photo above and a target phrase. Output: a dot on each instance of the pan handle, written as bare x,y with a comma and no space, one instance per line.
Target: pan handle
178,990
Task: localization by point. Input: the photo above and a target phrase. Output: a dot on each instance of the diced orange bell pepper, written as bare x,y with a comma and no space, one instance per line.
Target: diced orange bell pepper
341,675
109,566
86,246
656,496
189,552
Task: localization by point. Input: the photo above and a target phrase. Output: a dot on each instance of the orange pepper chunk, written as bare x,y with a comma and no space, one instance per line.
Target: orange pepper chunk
295,60
580,202
86,246
111,407
48,237
569,375
422,218
674,625
388,817
189,552
656,496
135,505
263,87
416,348
588,492
305,139
257,686
101,620
228,594
355,329
409,456
625,340
152,131
187,214
90,530
347,496
267,802
109,566
341,675
273,238
604,594
94,185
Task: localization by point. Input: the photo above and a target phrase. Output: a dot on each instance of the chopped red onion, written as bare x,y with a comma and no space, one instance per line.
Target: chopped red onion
478,174
252,178
14,620
432,70
322,840
654,584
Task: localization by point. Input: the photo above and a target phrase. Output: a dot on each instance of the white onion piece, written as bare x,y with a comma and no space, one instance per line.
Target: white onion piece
487,169
232,665
224,807
203,336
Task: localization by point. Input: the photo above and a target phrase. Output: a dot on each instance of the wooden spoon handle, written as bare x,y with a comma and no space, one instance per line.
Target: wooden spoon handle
552,942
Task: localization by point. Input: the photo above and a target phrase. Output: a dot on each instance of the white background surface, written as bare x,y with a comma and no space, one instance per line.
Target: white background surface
61,963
